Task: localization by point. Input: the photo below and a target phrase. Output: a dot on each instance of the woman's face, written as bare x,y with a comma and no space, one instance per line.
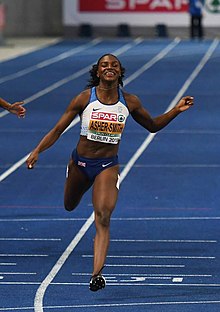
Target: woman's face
109,68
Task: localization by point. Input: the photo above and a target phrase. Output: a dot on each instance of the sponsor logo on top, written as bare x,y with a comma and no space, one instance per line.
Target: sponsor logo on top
104,116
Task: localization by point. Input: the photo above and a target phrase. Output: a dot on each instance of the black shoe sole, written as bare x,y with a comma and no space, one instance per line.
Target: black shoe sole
97,283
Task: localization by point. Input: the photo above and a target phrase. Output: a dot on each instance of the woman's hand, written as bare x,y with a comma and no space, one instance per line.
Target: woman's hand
17,109
185,103
32,159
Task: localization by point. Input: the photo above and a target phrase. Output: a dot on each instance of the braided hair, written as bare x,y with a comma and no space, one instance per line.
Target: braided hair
94,79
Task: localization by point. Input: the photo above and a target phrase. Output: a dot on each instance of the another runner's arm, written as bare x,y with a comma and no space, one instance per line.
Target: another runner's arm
15,108
75,107
142,116
4,104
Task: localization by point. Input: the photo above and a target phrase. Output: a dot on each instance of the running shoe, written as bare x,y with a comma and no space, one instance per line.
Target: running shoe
97,282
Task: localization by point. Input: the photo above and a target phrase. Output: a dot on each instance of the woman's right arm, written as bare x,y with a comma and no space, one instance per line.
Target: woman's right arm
53,135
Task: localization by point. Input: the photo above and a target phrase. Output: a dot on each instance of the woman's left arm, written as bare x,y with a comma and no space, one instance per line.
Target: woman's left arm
142,116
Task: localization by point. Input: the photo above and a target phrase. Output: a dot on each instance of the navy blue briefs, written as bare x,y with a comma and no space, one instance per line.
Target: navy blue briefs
91,167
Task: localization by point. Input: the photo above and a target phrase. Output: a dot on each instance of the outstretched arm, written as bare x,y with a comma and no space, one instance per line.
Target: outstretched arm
141,115
15,108
53,135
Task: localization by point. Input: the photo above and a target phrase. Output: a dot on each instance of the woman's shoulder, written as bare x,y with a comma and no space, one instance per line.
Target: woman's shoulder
132,100
80,100
83,96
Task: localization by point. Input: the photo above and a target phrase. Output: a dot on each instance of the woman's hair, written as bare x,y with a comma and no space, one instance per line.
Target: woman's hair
94,80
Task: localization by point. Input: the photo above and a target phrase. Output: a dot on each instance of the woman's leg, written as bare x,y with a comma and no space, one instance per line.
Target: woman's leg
77,183
105,194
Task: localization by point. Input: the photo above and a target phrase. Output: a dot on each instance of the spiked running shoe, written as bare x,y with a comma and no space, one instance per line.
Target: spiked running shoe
97,282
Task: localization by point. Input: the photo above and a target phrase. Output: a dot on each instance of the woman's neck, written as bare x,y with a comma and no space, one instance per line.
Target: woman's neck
107,87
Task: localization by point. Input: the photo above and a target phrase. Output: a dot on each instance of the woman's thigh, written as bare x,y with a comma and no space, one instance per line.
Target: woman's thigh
77,183
105,190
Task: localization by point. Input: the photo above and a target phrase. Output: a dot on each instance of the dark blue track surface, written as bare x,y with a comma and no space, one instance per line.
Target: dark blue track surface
164,251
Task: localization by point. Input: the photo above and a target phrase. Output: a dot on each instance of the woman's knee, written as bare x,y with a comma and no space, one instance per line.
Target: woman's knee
70,205
102,218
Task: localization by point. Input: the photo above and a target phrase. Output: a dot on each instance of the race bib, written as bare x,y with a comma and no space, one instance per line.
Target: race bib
105,127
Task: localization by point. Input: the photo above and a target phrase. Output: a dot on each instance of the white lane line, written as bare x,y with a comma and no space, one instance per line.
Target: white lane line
47,166
38,302
117,284
165,218
153,257
194,241
150,63
13,168
45,289
77,119
43,220
29,239
144,284
169,275
166,277
17,273
50,61
176,166
17,309
76,75
8,263
20,283
22,255
158,284
55,86
22,161
29,49
181,92
134,276
129,219
112,305
147,265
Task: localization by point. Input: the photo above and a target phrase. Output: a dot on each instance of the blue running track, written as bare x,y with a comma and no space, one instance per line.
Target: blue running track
165,246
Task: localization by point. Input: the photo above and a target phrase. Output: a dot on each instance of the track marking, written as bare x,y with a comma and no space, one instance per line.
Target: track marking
198,241
177,166
153,257
17,273
157,303
146,275
113,276
177,279
122,178
53,87
181,92
22,255
38,302
50,61
166,218
128,219
43,220
30,49
30,239
150,63
74,76
147,265
112,305
23,160
119,284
